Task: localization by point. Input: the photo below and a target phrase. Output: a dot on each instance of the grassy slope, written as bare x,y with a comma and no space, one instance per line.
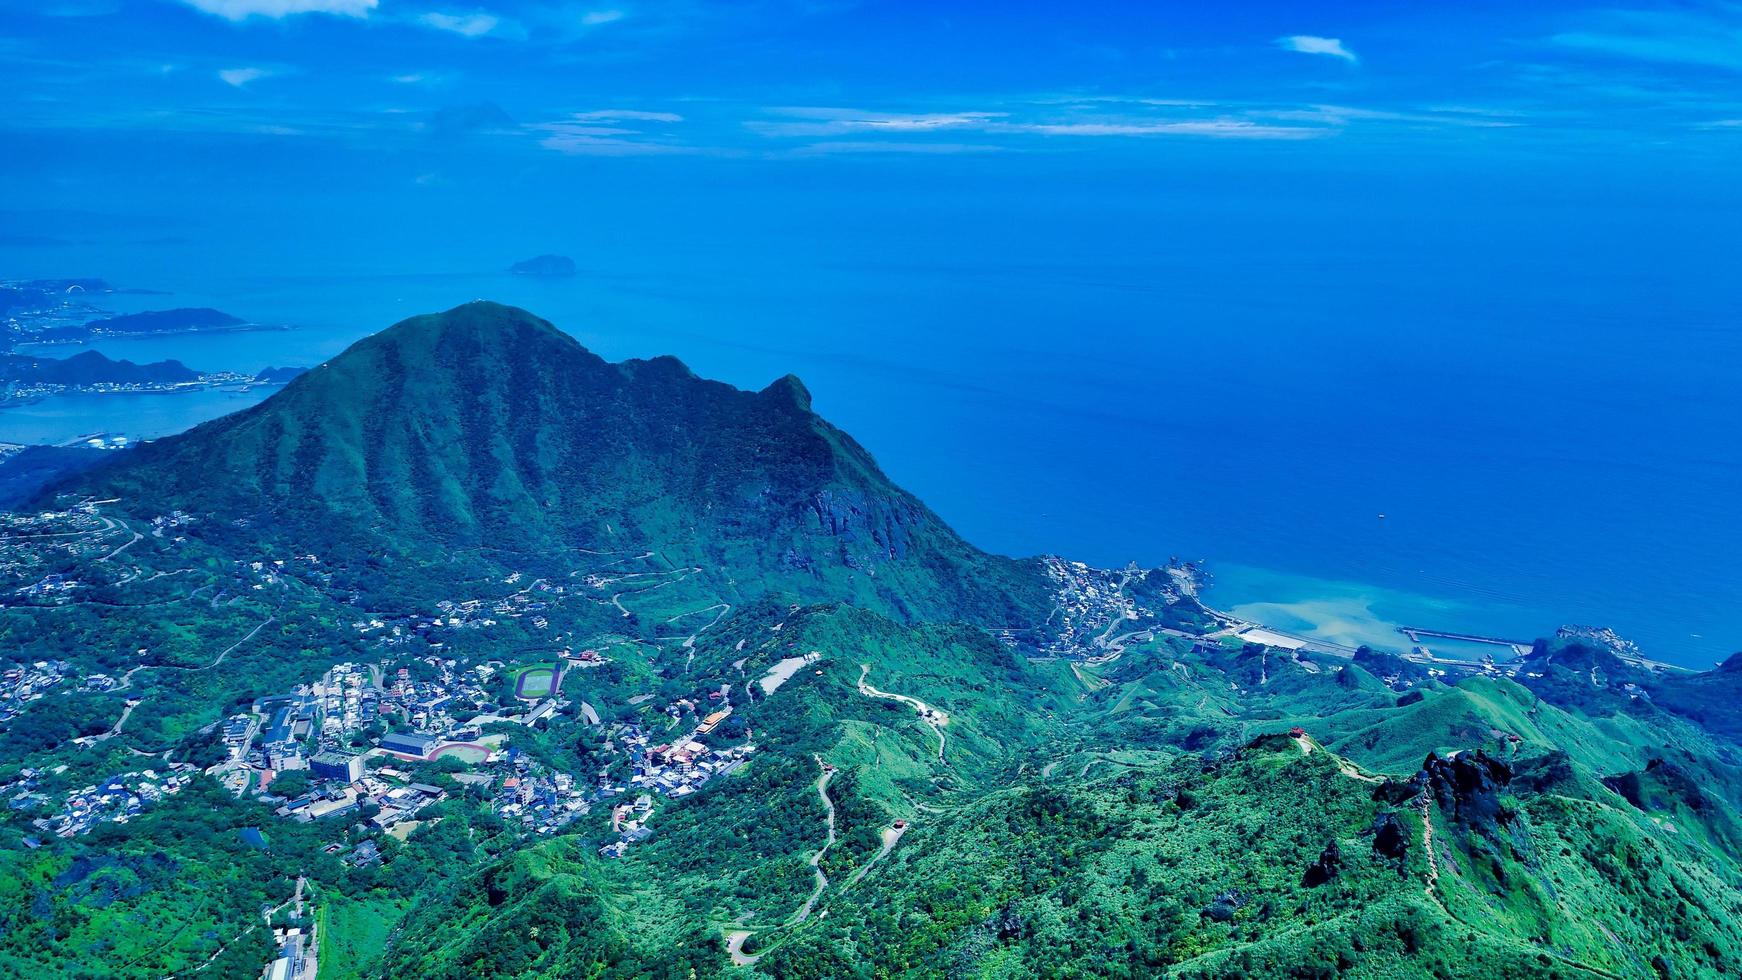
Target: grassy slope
1120,861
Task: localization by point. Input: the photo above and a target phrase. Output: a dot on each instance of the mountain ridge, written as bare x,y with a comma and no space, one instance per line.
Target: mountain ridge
487,428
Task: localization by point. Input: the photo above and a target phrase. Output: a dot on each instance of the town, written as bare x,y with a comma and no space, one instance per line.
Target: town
358,742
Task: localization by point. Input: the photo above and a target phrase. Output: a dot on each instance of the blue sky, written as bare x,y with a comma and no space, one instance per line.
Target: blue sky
157,121
806,78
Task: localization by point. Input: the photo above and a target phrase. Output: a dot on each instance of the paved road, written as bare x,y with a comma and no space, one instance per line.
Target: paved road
735,939
817,858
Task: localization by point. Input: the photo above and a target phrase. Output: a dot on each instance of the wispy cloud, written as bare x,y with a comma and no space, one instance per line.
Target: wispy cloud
1055,120
814,121
599,18
626,115
1313,44
608,132
844,147
1710,38
1217,128
1448,116
276,9
475,24
240,77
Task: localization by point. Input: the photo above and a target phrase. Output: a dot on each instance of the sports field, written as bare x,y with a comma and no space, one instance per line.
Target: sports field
534,683
467,752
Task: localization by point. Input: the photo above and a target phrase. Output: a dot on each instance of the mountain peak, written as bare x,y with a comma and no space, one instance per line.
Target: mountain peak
480,317
486,431
788,390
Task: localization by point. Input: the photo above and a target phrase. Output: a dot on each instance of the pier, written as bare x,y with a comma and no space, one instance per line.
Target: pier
1415,633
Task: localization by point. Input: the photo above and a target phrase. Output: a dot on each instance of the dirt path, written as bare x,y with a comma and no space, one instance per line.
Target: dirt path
933,718
1347,768
127,678
220,659
616,599
1427,844
689,642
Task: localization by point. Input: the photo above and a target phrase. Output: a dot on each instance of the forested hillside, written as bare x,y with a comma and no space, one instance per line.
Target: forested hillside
470,654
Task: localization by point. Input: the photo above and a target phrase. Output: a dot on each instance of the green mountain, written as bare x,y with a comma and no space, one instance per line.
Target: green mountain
936,763
481,440
89,368
1051,838
1711,698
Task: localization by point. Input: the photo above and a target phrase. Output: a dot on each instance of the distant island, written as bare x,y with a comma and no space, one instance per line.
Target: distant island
180,320
547,266
25,378
150,323
90,368
278,375
66,311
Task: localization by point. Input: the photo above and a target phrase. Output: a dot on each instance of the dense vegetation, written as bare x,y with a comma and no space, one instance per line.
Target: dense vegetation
1155,813
490,437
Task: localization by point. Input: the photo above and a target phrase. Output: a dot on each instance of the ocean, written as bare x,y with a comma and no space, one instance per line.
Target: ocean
1498,441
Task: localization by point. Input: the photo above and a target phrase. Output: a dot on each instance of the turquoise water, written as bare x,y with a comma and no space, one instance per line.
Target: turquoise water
1558,445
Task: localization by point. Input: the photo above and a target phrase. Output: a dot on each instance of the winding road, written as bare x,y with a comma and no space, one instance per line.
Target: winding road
810,903
891,836
736,938
127,678
934,719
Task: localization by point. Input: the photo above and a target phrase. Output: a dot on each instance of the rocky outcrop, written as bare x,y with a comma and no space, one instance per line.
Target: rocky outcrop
1389,838
884,528
1468,787
1223,906
1328,866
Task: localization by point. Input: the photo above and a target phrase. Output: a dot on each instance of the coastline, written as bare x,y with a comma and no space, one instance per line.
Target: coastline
94,336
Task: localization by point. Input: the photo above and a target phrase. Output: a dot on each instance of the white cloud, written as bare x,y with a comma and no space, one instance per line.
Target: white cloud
593,134
596,18
605,143
626,115
1311,44
805,122
835,122
242,76
1216,128
465,25
243,9
840,147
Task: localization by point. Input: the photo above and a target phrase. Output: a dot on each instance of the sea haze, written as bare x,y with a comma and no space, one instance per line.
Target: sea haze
1493,419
